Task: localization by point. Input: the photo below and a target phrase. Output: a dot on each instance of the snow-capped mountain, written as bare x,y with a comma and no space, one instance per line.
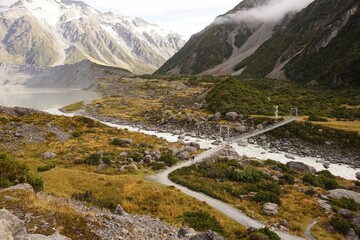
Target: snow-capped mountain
55,32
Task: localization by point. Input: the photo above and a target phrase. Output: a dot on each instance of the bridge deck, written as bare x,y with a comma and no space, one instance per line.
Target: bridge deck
257,131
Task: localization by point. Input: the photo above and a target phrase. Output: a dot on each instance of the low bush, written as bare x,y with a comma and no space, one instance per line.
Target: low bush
93,159
157,166
46,167
340,225
316,118
86,196
289,179
346,203
202,221
168,158
13,172
323,179
264,234
267,196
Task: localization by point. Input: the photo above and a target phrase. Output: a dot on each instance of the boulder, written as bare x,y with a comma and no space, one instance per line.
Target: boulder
271,209
209,235
325,205
101,167
11,227
345,213
123,154
356,221
260,127
182,232
22,186
300,167
48,155
119,210
358,175
343,193
241,128
289,156
217,116
195,145
231,116
124,142
351,235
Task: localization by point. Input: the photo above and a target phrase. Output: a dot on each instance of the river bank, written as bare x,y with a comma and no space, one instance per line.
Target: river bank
251,149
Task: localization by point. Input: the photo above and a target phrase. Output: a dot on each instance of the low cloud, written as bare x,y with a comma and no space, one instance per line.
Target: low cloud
273,11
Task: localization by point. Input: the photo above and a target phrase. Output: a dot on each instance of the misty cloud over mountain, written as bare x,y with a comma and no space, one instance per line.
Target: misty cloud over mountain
273,11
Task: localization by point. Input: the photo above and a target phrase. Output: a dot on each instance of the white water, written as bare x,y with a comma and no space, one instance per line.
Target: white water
250,150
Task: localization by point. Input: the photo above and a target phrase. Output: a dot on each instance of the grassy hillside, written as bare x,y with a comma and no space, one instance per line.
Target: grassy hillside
258,97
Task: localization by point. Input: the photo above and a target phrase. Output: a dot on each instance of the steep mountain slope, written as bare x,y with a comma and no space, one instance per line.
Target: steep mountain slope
81,75
54,32
219,42
321,43
232,37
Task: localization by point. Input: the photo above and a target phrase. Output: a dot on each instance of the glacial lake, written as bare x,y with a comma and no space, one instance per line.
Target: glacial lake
43,99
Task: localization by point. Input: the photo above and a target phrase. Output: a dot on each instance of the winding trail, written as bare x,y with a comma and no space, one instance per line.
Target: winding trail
308,231
234,213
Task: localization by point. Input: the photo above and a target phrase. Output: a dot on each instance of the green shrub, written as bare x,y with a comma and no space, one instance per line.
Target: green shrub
168,158
266,196
202,221
249,175
340,225
135,156
157,166
86,196
323,179
289,179
46,167
264,234
316,118
13,172
93,159
76,134
346,203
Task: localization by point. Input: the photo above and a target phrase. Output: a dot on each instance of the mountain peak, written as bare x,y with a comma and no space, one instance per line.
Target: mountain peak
55,32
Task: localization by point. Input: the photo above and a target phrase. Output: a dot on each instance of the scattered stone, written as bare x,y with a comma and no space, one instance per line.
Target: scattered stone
358,175
101,167
119,210
231,116
209,235
217,116
343,193
195,145
182,232
123,154
326,165
345,213
259,127
325,205
289,156
22,186
356,221
48,155
124,142
351,235
300,167
271,209
11,227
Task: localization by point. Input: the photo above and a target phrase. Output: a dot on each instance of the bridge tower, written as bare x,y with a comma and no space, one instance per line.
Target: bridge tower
294,112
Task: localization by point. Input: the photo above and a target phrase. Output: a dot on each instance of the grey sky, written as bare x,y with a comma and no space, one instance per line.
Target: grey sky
185,16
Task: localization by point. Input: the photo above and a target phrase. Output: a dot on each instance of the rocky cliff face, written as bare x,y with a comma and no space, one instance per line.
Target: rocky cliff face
52,32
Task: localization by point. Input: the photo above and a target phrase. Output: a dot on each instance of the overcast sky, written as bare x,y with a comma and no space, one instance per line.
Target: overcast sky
183,16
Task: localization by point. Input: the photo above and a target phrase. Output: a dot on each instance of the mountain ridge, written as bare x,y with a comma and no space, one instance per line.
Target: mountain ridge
54,32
